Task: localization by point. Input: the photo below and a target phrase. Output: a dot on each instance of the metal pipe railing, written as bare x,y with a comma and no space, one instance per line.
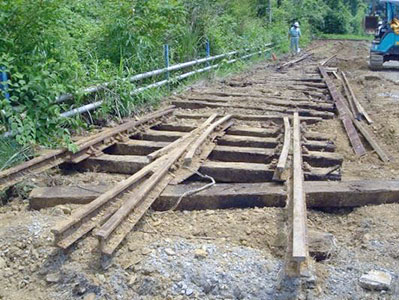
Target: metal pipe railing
93,89
92,106
97,88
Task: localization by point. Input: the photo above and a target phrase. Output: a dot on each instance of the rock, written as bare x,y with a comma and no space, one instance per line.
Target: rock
200,253
53,277
170,252
376,280
321,244
90,296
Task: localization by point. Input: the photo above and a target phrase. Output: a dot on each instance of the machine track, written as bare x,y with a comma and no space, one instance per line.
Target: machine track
376,62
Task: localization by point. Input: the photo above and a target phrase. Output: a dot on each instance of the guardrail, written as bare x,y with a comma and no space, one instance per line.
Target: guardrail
92,106
167,70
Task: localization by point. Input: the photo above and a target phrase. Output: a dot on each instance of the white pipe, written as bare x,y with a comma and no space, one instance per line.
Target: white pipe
142,76
92,106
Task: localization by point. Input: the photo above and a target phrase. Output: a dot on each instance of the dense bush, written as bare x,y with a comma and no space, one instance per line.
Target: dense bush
52,47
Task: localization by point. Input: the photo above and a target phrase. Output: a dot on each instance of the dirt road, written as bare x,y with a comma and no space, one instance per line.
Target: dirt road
221,254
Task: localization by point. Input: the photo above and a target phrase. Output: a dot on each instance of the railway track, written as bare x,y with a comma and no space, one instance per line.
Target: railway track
242,143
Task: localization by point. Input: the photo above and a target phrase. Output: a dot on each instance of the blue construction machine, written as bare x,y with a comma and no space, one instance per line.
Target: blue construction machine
384,24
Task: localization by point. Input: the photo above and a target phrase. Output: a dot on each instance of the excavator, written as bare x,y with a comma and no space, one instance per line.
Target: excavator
383,22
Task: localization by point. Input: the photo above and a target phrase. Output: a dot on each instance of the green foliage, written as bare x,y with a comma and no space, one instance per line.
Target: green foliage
54,47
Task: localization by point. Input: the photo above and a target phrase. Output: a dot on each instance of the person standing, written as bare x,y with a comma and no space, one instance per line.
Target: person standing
295,34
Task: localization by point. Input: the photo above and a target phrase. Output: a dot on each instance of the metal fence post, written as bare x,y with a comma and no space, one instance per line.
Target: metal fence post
4,86
208,51
166,56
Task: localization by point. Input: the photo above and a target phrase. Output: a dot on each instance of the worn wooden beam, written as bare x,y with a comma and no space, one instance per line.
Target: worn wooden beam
123,164
44,197
282,161
136,147
251,118
294,61
177,142
270,108
254,131
243,172
223,196
344,116
359,107
202,138
319,194
160,136
243,154
238,97
299,215
372,141
248,141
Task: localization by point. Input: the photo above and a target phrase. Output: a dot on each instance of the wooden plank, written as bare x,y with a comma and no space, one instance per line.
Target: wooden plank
176,143
201,139
44,197
357,193
372,141
176,127
359,107
314,145
160,136
110,245
122,164
299,227
250,118
270,108
247,141
282,161
241,97
292,62
319,194
254,131
243,154
237,171
136,147
266,155
345,118
351,104
327,60
106,229
90,208
223,196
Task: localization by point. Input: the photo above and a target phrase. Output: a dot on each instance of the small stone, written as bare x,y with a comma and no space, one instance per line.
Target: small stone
80,289
66,210
170,252
53,277
376,280
321,244
189,292
146,251
132,280
90,296
200,253
101,277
